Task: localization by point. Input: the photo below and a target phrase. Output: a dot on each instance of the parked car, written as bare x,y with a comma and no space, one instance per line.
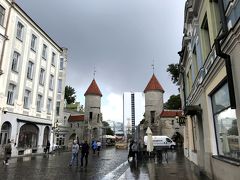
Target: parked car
161,142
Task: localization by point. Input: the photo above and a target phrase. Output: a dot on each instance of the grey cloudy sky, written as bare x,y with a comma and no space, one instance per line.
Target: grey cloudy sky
119,37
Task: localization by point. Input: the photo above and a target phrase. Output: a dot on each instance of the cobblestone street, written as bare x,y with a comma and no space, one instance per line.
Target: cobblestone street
111,164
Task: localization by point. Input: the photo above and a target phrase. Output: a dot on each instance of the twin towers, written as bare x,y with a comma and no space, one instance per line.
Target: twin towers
93,117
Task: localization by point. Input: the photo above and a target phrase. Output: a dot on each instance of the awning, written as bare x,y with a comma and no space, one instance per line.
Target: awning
192,110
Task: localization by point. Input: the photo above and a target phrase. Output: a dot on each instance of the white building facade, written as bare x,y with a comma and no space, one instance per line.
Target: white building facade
32,82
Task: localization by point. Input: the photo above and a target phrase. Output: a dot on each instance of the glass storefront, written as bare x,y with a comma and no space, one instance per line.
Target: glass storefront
28,136
226,124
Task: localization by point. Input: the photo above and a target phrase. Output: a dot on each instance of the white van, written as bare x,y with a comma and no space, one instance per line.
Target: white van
161,141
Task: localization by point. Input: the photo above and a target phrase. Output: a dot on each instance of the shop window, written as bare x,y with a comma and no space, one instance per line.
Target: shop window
226,125
28,136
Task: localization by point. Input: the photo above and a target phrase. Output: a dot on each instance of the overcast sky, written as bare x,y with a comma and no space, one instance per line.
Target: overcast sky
120,38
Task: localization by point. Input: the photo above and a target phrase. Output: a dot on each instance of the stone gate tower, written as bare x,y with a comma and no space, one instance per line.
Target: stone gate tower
92,115
153,104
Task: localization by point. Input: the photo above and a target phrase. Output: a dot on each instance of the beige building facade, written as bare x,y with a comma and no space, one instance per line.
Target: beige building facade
209,66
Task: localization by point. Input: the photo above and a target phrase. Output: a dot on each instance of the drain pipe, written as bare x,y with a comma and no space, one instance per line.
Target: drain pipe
225,56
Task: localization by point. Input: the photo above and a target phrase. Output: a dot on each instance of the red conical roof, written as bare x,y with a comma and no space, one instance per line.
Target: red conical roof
153,85
93,89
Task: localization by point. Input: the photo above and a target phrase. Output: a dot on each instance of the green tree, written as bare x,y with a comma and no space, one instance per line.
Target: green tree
70,94
174,102
173,70
108,131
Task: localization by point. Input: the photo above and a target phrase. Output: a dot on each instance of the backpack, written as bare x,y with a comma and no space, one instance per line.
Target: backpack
134,147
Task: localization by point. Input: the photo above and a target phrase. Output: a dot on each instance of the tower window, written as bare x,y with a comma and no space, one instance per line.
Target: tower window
90,115
152,116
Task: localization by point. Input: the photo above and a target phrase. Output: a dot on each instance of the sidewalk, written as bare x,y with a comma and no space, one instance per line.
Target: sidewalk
176,167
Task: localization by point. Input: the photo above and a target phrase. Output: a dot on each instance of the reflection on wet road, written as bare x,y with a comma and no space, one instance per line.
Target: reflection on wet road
111,164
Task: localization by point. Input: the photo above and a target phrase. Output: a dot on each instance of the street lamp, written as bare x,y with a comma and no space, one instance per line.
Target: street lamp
180,120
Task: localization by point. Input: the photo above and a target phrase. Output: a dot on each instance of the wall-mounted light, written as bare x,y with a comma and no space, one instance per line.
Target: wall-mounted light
180,120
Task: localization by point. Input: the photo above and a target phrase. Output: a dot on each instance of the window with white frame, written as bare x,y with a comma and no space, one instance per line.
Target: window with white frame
15,61
42,76
59,85
58,108
194,133
33,42
26,99
61,63
206,44
195,64
49,106
51,82
53,58
39,102
44,51
30,70
20,31
226,124
11,94
2,15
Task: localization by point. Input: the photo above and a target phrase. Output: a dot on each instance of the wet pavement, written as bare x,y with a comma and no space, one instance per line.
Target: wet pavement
110,165
173,166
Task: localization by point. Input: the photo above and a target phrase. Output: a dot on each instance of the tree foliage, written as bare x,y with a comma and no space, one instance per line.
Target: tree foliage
174,102
173,70
70,94
108,129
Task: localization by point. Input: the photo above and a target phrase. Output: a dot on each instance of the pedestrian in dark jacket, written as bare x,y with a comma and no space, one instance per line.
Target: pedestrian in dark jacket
48,147
134,150
85,152
7,152
130,152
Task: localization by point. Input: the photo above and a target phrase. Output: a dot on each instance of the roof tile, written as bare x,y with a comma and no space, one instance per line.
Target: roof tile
153,84
93,89
171,113
76,118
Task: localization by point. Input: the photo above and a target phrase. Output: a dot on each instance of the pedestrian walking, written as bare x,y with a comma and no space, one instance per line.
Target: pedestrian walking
94,146
134,150
85,152
130,152
75,149
7,152
99,144
48,147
